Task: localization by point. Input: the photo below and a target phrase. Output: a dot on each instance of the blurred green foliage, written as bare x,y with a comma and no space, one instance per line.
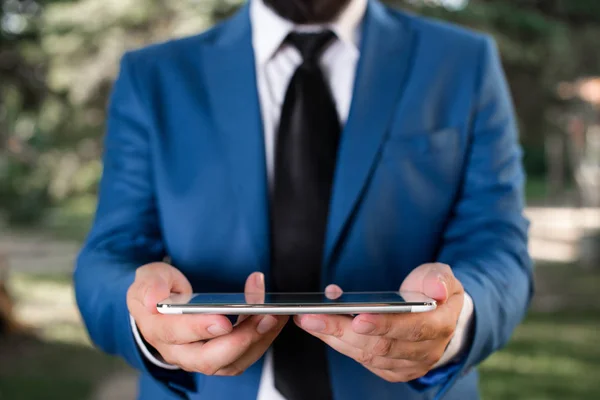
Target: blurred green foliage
58,59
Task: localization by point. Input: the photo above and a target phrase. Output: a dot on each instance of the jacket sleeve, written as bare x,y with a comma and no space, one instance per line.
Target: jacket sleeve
125,233
485,241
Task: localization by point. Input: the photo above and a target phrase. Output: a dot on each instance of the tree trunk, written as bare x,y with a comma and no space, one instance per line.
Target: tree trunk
555,160
7,320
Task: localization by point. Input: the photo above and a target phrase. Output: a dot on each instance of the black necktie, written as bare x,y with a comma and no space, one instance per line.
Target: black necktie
305,157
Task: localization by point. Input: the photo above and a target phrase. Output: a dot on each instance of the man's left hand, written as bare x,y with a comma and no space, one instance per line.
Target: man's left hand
397,347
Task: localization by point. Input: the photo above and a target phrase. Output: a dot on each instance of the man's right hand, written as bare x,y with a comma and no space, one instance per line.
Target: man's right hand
207,344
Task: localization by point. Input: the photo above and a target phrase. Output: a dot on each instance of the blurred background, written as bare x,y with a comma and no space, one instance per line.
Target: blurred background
58,59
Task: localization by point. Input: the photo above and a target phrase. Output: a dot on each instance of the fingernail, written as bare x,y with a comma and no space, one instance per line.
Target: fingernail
443,282
266,324
217,330
313,324
364,327
260,280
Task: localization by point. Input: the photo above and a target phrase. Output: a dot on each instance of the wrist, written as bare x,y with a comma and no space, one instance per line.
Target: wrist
461,339
149,352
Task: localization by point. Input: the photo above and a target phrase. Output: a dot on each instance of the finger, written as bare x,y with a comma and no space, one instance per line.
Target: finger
155,282
414,327
434,280
254,292
333,292
338,326
341,328
254,289
223,351
182,355
255,352
403,374
240,319
332,325
451,310
363,355
187,356
161,330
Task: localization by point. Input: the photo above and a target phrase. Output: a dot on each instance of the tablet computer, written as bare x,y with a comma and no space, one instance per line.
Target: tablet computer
296,303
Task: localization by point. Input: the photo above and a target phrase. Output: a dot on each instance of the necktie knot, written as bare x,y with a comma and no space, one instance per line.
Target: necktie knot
310,45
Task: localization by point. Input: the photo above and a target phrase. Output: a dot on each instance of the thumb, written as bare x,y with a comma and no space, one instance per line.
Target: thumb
429,279
155,291
254,289
158,281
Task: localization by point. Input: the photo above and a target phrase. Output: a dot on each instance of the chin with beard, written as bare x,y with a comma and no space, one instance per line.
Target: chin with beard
308,11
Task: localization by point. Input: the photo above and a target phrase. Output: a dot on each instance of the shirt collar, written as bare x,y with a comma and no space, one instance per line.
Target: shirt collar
269,29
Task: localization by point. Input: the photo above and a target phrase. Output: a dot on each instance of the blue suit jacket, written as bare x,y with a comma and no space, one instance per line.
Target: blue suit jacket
429,169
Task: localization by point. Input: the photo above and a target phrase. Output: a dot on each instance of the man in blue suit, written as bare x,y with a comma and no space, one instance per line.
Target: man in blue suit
303,143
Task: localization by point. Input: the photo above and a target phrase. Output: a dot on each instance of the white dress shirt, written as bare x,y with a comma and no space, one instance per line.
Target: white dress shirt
276,63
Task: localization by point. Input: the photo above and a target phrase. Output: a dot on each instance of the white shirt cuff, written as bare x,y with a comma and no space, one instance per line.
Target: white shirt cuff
155,358
460,340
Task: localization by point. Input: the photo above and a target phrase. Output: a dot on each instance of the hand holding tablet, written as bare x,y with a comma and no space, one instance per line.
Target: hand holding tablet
208,344
204,340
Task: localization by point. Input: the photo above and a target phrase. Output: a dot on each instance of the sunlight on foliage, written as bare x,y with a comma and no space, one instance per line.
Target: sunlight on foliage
48,305
66,57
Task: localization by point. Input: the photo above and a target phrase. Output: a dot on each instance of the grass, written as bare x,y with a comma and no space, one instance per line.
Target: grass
551,356
54,358
32,369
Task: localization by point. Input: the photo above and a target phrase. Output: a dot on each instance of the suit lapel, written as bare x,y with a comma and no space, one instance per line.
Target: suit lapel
230,74
230,80
384,64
